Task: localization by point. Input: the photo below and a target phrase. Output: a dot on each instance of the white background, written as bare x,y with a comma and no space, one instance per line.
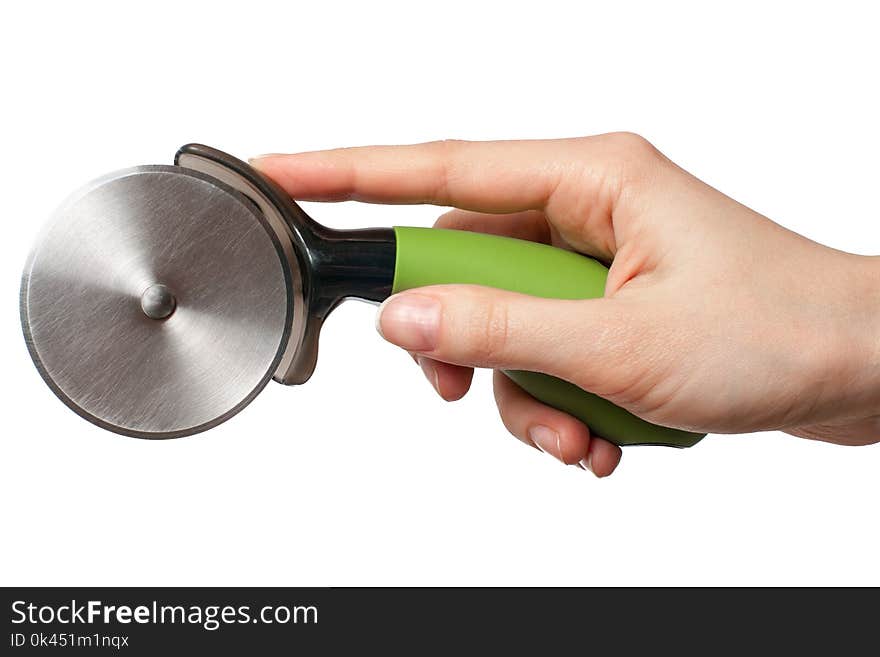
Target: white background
364,476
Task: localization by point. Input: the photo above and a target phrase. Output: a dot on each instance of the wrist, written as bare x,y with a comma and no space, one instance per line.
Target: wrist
855,347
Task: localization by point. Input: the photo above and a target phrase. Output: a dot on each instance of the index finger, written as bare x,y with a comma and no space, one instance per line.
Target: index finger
499,176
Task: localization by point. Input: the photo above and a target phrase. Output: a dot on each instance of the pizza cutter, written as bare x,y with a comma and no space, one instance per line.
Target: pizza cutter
160,300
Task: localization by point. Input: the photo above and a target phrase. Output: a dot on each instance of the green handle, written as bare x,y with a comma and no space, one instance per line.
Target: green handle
431,256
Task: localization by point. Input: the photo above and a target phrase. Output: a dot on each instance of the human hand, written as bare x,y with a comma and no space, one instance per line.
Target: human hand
715,319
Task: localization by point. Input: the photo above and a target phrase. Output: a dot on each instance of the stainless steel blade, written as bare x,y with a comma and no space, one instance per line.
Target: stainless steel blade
156,302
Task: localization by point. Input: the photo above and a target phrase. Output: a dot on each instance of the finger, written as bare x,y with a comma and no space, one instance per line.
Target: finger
578,182
529,225
553,432
501,176
450,381
582,341
603,458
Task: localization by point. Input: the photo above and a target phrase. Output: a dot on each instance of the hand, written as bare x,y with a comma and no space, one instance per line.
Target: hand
715,319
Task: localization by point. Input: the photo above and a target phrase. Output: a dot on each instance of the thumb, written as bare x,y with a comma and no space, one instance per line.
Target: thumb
582,341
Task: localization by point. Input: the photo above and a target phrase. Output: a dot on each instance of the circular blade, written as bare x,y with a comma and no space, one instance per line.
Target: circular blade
156,303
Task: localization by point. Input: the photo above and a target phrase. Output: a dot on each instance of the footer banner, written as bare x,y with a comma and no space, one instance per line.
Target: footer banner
264,621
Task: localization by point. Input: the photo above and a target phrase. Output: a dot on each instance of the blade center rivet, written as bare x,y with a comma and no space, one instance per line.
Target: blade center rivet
158,302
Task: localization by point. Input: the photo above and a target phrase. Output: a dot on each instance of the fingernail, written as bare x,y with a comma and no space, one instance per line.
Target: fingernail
546,440
430,373
587,463
255,160
411,321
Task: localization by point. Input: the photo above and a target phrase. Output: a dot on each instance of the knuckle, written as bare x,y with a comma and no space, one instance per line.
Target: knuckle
616,164
634,155
447,152
632,144
492,335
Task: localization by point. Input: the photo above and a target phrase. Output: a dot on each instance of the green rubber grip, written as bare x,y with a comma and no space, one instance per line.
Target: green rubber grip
432,256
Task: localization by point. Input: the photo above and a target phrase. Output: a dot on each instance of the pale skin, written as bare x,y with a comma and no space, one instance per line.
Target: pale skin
715,319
